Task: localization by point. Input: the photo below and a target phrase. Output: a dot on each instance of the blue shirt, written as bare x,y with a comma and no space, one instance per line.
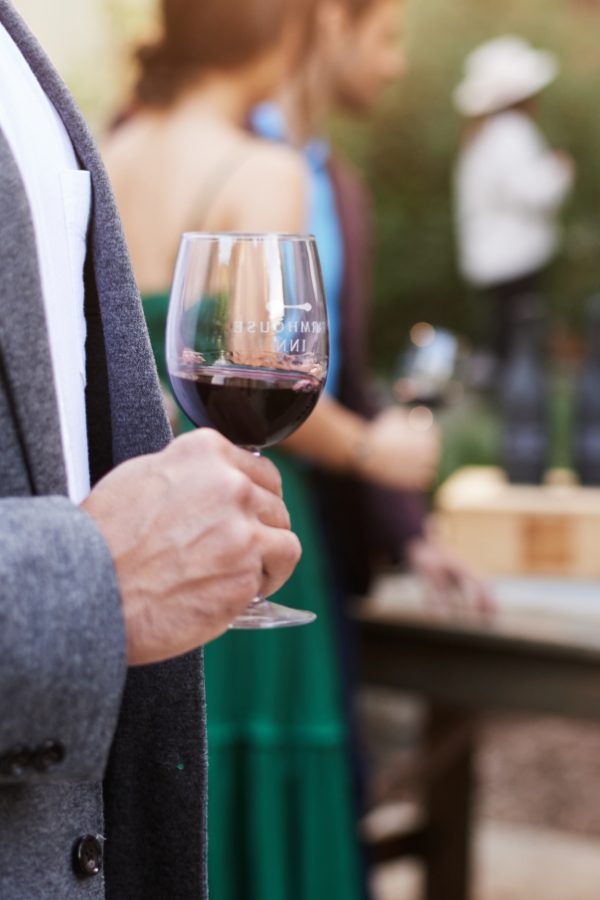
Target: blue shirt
323,221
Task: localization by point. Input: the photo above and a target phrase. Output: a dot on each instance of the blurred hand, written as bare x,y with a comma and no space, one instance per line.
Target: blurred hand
449,583
196,532
399,451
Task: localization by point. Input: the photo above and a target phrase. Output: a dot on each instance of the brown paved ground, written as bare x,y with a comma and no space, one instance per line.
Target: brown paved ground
539,801
514,862
542,772
538,771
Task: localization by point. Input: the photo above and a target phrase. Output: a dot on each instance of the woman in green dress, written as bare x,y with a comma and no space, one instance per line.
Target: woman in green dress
281,811
281,815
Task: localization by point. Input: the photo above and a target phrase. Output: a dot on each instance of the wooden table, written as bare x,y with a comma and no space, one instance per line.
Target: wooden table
540,653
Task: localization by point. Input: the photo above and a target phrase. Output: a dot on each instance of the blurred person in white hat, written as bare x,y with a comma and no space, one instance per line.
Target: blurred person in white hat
509,184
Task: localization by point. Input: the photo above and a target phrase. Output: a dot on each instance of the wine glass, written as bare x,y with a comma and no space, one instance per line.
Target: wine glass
247,348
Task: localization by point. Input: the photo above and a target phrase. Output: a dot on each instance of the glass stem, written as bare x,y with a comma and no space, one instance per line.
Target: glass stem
258,601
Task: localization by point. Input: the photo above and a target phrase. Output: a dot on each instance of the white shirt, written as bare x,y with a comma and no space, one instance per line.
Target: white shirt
59,194
509,189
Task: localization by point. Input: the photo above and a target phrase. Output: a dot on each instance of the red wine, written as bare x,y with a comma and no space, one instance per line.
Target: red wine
254,408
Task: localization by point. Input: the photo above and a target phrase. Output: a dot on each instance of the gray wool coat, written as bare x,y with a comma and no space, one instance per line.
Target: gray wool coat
86,746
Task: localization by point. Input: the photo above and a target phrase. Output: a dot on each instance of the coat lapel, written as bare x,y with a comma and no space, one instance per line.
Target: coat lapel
24,347
157,699
138,420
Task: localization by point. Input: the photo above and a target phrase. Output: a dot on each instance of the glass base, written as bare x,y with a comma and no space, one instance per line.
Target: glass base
264,614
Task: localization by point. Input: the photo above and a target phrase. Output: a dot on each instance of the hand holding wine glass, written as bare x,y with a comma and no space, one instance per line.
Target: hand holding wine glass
247,347
190,543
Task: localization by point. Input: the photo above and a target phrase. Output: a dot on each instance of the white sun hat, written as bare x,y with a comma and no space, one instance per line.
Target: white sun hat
502,72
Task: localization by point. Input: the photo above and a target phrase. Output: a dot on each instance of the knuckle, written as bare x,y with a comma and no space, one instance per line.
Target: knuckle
295,542
285,517
247,585
241,537
209,436
292,549
275,476
238,487
277,515
203,441
240,589
184,443
296,552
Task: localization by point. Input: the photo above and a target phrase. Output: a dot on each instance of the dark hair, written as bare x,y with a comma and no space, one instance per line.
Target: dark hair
200,35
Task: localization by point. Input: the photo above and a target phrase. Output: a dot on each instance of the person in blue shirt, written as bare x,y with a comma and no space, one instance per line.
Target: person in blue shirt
268,121
357,53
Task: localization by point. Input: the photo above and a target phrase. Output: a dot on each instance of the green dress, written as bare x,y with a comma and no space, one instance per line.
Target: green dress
281,815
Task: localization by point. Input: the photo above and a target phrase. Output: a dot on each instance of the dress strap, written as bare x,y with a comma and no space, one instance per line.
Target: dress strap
222,172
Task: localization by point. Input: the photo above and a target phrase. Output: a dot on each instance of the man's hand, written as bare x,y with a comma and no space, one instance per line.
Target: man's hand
196,532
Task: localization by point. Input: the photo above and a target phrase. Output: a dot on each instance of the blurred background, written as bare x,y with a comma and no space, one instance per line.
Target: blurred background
539,800
408,150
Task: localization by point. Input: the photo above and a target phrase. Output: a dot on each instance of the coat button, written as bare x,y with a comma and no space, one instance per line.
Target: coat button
87,856
47,756
15,761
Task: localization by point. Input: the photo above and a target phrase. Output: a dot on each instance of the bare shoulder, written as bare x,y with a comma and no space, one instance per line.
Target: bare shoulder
138,145
275,190
277,163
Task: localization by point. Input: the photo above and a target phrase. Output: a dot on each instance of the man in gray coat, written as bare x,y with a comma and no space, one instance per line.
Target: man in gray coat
120,553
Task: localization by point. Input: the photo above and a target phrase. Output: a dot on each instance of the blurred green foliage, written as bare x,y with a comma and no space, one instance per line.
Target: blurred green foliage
408,149
118,27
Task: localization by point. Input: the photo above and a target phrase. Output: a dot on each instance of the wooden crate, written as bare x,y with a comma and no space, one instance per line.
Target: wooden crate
508,529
